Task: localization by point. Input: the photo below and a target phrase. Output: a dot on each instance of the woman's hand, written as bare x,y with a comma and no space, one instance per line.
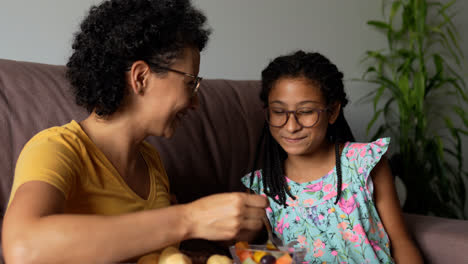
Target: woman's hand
36,215
224,216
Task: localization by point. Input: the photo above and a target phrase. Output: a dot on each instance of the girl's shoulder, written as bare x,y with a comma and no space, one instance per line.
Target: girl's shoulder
358,160
357,151
381,142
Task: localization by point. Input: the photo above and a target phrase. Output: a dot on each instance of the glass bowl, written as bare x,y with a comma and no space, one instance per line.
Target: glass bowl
276,256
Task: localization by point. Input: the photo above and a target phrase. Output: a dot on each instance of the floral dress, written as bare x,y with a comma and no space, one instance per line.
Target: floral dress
347,232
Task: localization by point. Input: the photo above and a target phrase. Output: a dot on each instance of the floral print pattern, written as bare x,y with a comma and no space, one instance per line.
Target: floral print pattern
347,232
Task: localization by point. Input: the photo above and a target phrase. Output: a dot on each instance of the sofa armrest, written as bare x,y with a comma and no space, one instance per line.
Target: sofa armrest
441,240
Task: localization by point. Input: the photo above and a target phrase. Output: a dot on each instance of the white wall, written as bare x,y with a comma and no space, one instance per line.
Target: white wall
39,30
247,34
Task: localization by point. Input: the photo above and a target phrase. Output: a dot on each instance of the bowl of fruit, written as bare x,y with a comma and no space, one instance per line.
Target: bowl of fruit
243,253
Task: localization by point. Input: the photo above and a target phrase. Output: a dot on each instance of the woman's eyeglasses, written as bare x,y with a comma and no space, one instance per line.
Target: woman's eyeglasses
196,80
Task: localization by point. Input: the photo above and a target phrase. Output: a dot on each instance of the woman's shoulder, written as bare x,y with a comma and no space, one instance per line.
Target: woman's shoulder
54,156
68,135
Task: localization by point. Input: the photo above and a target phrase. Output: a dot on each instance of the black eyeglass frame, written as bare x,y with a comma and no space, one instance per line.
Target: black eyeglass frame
294,112
197,79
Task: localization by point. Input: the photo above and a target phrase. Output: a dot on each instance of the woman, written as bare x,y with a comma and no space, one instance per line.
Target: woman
94,191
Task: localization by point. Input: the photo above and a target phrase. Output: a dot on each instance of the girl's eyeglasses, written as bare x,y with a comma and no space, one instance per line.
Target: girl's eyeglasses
305,117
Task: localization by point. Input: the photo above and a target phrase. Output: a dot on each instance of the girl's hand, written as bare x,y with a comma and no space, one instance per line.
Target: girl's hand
223,216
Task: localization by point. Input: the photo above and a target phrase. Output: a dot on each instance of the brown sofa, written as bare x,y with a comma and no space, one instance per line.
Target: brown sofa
209,153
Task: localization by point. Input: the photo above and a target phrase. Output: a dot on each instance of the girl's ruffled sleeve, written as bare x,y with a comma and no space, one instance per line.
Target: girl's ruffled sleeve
253,181
363,157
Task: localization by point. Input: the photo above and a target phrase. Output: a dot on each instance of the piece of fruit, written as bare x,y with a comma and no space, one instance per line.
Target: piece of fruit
285,259
277,254
244,254
249,261
270,245
268,259
172,255
177,258
241,245
218,259
258,255
149,259
169,251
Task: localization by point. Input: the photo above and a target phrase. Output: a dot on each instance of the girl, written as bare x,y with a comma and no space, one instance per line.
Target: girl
333,196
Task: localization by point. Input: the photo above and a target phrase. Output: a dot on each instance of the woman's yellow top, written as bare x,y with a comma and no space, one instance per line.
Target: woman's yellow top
66,158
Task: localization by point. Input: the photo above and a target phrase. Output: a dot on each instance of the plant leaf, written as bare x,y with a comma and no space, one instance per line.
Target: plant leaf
378,24
395,7
418,91
374,118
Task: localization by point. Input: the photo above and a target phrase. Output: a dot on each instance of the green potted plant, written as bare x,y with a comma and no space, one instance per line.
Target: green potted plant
421,95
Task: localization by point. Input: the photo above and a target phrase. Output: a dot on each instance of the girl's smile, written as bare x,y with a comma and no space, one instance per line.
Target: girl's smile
294,140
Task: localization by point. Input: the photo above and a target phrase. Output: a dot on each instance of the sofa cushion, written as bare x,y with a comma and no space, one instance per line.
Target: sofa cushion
32,97
441,240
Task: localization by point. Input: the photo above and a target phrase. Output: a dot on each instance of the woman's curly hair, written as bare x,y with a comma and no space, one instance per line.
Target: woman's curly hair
117,33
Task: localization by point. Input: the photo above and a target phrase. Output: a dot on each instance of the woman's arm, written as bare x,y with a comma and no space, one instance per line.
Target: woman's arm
403,248
35,230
